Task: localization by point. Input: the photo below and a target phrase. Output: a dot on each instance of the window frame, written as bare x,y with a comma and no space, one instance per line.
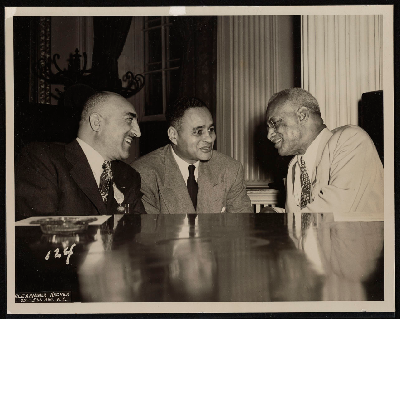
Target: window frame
165,68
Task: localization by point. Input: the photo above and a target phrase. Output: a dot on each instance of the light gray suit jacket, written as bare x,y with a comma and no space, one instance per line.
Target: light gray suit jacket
348,174
220,181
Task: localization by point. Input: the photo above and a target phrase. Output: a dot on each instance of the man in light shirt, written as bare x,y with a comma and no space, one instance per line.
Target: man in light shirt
84,177
338,171
188,176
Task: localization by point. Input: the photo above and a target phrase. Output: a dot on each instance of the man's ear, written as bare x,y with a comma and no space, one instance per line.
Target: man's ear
95,120
172,134
303,114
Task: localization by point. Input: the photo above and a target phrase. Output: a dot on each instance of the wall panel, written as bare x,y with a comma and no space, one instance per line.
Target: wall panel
254,60
341,59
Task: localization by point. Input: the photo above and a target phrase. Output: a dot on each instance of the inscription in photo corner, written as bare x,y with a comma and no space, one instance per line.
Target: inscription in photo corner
43,297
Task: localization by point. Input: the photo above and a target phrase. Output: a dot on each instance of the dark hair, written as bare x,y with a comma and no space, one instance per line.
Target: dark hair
176,110
298,97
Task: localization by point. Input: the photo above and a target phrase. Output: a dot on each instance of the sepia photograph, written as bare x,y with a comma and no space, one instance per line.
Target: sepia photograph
200,159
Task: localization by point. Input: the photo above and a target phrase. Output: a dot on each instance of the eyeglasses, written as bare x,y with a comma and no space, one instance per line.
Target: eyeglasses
273,124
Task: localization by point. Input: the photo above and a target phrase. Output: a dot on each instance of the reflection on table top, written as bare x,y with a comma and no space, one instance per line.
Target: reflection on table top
207,257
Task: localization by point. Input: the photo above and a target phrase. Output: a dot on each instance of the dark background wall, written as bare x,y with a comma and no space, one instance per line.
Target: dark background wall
34,121
44,122
198,74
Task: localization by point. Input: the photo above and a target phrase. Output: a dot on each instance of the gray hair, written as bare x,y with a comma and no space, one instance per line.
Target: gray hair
298,97
95,103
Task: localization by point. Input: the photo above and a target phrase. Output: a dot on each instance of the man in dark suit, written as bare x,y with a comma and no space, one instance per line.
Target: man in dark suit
188,176
86,176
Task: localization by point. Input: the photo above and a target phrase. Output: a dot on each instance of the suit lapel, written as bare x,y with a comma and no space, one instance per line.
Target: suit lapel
208,199
82,174
318,172
174,192
326,134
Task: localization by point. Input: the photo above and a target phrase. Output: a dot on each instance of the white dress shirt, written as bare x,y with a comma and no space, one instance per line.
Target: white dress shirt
184,167
310,158
95,159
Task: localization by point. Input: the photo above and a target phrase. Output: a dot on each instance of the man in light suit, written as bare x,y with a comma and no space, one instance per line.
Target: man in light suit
188,176
338,171
84,177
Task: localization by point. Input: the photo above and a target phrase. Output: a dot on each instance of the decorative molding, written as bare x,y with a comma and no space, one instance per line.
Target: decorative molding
341,59
263,197
44,88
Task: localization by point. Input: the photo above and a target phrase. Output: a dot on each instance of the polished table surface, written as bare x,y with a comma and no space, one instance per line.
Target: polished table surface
205,257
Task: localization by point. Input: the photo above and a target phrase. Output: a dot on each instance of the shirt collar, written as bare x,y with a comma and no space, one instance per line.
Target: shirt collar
184,166
310,156
95,159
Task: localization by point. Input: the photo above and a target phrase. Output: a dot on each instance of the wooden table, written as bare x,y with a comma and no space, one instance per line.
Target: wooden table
205,258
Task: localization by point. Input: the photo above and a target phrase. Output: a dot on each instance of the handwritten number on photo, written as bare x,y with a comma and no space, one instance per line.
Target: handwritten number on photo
57,254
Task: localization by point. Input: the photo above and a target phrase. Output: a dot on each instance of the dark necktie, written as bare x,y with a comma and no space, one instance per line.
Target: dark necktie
105,180
192,224
305,185
192,185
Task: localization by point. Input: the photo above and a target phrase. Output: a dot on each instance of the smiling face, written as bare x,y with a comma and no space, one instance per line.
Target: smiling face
195,137
118,128
284,128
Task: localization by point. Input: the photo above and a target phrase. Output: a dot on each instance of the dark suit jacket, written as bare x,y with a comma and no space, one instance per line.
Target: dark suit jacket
56,179
221,185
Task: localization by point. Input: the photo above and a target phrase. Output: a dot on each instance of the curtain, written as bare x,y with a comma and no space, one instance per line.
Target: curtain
198,68
342,58
255,60
109,39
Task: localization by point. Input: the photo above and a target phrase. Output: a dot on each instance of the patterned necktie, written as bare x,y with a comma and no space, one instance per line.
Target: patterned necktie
305,185
105,180
192,186
305,223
